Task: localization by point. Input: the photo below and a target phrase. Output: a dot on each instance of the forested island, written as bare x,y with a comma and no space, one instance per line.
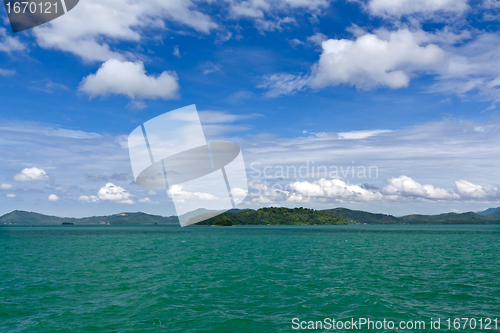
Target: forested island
279,216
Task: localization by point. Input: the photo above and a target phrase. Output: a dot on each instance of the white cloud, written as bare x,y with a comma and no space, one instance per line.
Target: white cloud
295,42
136,105
432,157
53,198
258,9
148,201
491,4
176,52
372,60
9,44
317,39
274,24
407,187
180,193
472,66
10,195
469,190
270,15
387,59
209,67
283,84
129,78
426,8
460,63
94,25
6,187
400,189
331,189
31,175
436,153
7,72
91,198
115,193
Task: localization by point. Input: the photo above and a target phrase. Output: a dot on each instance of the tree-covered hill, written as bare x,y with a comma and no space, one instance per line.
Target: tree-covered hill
360,217
280,216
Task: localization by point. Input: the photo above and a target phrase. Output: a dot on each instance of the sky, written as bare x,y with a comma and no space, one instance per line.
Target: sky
388,106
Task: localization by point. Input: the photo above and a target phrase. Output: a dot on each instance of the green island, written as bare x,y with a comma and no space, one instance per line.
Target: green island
279,216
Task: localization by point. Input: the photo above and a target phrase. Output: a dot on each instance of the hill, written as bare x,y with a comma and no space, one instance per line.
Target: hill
448,218
489,211
262,216
360,217
19,217
279,216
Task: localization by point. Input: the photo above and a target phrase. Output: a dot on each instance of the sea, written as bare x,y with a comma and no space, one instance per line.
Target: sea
390,278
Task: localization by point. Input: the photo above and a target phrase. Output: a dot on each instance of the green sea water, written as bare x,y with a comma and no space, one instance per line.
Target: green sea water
245,278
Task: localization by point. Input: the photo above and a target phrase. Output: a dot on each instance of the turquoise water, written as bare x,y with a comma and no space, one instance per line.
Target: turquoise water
244,279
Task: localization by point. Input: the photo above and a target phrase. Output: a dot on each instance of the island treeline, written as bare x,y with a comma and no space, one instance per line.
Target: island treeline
279,216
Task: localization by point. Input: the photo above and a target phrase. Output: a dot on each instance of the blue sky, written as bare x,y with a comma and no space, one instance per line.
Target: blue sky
409,87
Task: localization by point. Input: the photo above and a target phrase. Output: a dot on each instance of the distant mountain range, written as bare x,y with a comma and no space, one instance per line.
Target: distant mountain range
19,217
261,216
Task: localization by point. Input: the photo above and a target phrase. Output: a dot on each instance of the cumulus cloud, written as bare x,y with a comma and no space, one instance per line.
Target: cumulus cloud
6,187
386,59
130,79
436,153
91,198
31,175
469,190
10,195
93,25
337,190
460,63
407,187
330,189
372,60
427,8
115,193
53,198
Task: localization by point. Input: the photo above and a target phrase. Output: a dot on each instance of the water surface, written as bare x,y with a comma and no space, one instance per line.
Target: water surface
242,278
